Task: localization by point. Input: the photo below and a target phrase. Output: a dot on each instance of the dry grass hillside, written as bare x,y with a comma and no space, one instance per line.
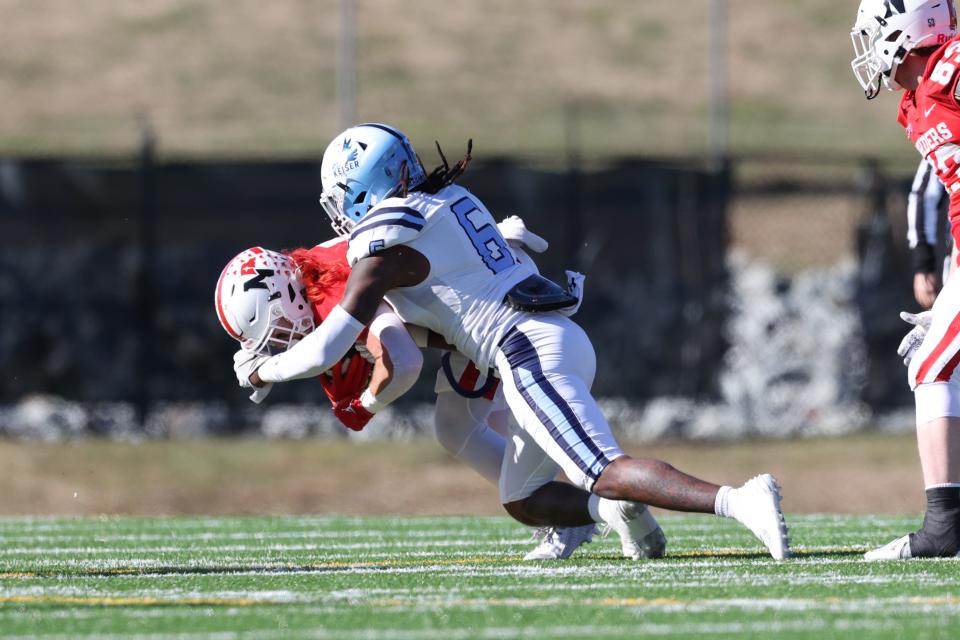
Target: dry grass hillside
250,77
862,474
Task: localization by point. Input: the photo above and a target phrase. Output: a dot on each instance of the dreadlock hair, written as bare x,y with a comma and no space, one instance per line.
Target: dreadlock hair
442,176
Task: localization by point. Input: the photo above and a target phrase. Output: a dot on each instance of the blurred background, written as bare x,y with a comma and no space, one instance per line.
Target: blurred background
711,165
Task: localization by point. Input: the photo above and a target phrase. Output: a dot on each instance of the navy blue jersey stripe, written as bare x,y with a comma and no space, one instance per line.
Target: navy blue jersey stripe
521,354
552,428
399,222
376,213
394,213
528,355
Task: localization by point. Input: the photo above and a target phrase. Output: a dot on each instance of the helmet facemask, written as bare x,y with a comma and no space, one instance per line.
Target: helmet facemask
282,333
867,66
332,202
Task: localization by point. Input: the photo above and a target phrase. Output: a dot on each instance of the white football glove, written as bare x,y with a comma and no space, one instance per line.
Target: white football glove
515,232
575,287
245,363
911,342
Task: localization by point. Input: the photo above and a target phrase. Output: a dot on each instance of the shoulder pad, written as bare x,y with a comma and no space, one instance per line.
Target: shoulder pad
385,226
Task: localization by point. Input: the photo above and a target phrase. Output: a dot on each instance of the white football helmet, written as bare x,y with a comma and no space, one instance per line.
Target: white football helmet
360,168
261,303
887,30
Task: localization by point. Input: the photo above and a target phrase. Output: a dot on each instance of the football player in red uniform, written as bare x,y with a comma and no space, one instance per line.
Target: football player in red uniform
912,45
268,301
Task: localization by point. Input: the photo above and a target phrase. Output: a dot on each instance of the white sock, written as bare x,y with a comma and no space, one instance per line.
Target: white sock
722,506
593,505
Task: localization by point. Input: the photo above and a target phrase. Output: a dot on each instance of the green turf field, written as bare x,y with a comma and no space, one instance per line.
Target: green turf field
411,578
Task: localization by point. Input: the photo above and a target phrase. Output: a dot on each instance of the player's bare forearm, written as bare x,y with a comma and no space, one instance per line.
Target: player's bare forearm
398,357
382,365
372,277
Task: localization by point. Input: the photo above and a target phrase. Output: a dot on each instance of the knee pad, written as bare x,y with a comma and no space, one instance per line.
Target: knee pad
937,400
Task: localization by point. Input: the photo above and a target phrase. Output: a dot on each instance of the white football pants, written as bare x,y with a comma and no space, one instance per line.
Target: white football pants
547,364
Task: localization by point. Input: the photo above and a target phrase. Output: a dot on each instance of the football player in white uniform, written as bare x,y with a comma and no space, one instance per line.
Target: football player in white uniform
434,252
268,301
912,45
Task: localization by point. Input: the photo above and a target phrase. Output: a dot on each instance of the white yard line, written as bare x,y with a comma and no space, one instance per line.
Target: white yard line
632,630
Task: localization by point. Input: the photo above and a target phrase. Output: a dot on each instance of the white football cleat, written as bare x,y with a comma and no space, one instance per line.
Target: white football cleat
899,549
640,534
756,505
559,544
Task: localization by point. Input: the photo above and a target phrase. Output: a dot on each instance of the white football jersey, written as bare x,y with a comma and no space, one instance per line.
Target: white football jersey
471,267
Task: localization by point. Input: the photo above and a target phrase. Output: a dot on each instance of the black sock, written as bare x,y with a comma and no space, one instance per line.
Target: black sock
940,534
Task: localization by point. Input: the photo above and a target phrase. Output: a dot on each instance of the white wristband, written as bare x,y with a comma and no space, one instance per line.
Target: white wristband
369,401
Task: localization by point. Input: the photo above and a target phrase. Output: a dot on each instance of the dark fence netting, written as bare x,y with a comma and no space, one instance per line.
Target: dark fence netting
107,271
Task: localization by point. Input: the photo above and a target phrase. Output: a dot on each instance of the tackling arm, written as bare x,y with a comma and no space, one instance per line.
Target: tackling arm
369,281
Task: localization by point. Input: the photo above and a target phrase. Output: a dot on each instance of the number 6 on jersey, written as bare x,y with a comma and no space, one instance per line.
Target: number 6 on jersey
484,235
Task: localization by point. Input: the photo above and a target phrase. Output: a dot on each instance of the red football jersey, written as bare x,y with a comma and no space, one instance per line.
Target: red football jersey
931,116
